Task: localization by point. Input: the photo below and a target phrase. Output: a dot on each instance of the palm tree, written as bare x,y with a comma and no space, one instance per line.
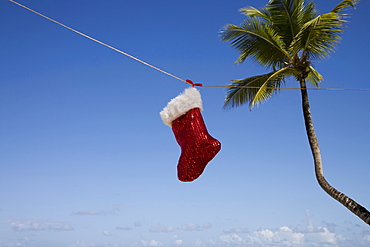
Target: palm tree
286,36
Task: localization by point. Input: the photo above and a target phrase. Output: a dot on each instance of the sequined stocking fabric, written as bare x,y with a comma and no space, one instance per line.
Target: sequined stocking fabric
198,147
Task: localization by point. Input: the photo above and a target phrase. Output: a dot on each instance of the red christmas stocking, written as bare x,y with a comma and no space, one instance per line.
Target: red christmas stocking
198,147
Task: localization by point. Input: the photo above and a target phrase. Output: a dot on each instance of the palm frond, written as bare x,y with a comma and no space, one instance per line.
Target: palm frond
282,18
288,17
256,89
344,4
318,37
314,77
309,13
256,40
253,12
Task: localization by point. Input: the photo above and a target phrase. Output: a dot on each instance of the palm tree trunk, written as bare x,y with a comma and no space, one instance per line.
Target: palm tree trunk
350,204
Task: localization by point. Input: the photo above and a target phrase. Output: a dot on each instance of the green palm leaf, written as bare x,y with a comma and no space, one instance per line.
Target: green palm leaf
344,4
309,12
256,89
318,37
256,40
313,76
286,17
253,12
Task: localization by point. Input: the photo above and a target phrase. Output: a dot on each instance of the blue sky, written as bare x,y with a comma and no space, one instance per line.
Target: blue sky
87,162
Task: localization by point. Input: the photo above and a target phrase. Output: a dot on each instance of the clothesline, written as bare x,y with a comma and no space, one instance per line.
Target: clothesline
158,69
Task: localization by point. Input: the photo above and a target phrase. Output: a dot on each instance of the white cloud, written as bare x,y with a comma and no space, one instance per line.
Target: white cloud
207,226
307,236
178,242
330,226
151,243
114,211
198,242
160,228
284,236
23,242
189,227
124,228
194,227
89,212
231,239
184,227
82,244
328,234
155,243
366,236
39,225
12,244
107,233
323,235
237,230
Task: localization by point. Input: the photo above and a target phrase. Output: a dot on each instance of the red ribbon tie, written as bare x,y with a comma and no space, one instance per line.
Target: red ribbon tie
194,84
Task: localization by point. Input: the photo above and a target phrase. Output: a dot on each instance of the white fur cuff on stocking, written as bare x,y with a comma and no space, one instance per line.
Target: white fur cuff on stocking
178,106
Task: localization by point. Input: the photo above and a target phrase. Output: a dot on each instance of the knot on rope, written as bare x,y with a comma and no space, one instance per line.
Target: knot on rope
194,84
